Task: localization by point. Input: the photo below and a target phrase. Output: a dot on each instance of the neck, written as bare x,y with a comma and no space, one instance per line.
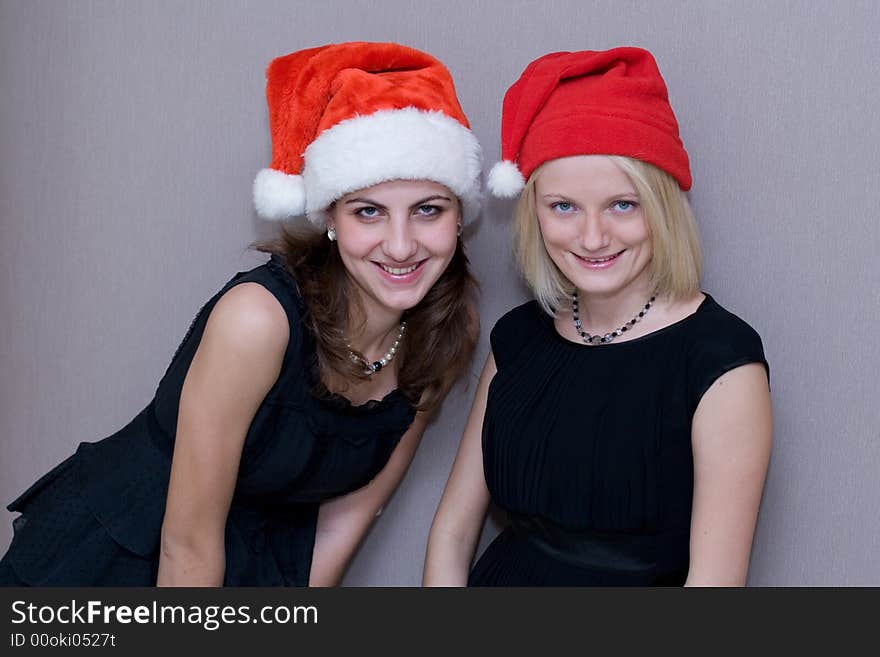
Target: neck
372,333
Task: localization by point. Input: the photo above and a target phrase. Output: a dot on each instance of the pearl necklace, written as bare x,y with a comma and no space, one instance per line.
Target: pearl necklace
608,337
375,366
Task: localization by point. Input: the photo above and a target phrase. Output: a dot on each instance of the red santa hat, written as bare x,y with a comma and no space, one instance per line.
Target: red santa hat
351,115
611,102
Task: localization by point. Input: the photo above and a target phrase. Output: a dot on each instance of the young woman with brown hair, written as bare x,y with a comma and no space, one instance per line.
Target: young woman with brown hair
295,403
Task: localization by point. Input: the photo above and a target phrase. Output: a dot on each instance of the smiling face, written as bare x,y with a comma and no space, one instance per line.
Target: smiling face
395,240
593,225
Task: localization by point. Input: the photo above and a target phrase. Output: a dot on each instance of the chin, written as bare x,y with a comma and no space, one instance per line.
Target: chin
407,301
596,284
402,300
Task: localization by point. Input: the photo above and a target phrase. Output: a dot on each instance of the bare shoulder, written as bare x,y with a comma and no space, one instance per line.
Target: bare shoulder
735,410
249,319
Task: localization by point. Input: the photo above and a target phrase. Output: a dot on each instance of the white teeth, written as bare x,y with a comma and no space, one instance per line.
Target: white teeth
398,271
597,260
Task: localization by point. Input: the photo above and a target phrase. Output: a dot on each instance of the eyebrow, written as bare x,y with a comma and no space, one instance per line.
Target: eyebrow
435,197
613,196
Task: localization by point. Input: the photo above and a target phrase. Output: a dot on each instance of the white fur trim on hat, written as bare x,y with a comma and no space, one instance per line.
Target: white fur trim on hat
505,180
278,195
401,144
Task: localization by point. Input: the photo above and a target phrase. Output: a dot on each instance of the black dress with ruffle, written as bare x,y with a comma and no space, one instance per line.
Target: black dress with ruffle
588,448
95,519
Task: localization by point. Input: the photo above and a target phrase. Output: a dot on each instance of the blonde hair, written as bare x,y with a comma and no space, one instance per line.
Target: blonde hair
676,263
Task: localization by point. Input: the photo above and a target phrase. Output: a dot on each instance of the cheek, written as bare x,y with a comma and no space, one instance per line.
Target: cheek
350,250
556,234
355,241
439,239
635,233
357,259
645,253
638,239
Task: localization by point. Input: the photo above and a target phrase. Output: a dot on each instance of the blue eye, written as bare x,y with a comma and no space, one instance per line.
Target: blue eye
429,210
563,207
367,212
624,206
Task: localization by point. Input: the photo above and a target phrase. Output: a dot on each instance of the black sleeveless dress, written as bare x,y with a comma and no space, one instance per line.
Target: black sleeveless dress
588,448
95,519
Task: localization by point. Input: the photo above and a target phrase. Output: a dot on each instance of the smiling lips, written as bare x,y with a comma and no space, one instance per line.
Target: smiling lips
405,273
598,263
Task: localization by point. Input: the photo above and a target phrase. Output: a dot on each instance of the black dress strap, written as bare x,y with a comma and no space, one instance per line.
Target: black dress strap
513,332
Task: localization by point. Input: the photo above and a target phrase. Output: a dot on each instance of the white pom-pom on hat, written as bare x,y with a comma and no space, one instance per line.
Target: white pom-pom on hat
278,195
505,180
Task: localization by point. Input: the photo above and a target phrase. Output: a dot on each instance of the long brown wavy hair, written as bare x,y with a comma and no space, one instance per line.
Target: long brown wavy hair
442,330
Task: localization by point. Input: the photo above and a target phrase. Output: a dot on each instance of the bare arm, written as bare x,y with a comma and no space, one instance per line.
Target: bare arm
459,518
731,438
237,362
343,522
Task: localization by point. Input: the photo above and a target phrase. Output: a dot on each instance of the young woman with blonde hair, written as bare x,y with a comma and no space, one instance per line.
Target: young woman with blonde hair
623,418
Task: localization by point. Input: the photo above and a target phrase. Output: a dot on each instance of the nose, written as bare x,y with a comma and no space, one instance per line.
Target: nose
400,243
594,236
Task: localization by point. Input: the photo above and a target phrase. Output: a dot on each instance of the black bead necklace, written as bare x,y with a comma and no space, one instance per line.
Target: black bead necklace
608,337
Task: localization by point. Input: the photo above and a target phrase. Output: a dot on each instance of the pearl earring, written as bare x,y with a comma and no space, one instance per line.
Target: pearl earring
331,234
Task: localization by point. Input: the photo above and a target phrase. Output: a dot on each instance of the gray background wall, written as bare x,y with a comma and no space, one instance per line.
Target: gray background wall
130,133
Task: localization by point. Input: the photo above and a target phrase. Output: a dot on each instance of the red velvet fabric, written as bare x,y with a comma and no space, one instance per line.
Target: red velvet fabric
612,102
312,90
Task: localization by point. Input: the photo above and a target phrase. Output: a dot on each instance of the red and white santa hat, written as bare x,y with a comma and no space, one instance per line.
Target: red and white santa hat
611,102
351,115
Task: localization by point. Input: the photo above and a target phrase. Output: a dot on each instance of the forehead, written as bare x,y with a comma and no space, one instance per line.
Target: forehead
400,190
583,175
